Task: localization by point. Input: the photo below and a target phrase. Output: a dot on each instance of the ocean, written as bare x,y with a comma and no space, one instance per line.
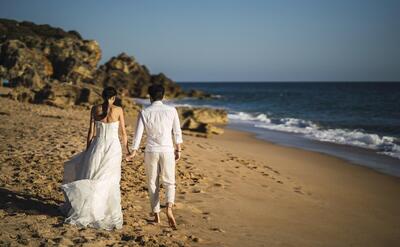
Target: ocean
356,121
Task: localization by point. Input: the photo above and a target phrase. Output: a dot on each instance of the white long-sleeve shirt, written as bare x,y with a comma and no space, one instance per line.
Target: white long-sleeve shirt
162,126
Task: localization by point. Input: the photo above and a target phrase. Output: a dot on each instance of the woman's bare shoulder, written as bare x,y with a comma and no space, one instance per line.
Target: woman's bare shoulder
117,108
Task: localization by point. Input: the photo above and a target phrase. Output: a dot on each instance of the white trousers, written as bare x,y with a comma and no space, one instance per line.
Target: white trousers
160,165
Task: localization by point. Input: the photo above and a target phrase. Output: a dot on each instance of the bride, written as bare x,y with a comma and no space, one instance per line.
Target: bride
91,178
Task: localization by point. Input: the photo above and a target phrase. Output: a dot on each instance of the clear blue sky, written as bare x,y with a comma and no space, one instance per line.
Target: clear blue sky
228,40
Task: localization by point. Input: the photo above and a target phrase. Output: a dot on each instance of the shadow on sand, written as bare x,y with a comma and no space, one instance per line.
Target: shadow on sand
14,202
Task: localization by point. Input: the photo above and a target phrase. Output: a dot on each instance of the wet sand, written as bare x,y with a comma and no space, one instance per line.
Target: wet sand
232,190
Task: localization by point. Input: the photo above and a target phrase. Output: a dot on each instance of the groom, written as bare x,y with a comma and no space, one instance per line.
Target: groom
163,149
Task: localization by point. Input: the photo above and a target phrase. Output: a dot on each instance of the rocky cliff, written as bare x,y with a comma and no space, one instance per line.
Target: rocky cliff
48,65
34,56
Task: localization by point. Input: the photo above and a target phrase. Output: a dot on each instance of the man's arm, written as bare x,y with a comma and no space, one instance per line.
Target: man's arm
138,132
176,129
177,135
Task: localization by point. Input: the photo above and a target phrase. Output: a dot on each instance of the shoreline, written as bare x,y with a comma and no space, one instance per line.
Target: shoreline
342,159
335,202
297,109
358,156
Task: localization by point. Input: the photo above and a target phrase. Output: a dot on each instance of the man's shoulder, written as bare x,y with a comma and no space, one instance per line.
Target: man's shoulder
169,107
163,107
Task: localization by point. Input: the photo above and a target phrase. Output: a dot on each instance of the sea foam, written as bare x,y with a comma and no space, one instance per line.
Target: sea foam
382,144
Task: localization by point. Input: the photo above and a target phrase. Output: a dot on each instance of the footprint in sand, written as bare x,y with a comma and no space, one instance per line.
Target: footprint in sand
298,190
201,146
218,185
230,171
217,229
197,190
194,209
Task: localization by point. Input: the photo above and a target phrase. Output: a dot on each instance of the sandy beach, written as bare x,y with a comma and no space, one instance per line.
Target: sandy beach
232,190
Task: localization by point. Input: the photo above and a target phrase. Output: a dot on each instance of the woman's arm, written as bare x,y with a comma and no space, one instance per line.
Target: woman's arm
123,131
91,128
137,137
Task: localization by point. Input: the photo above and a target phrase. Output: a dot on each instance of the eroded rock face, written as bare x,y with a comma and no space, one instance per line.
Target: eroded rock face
73,60
51,53
24,66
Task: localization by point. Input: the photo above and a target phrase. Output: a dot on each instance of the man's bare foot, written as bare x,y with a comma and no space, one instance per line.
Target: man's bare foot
157,219
171,219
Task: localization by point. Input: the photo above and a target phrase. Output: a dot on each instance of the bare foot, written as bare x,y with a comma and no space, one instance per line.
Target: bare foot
171,219
157,218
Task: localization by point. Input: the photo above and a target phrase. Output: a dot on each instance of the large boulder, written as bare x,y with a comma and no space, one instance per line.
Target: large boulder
203,120
204,115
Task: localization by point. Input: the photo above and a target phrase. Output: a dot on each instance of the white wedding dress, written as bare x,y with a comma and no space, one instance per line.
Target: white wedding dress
91,182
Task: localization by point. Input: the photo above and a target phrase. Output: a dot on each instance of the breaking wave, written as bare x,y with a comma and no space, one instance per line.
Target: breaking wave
382,144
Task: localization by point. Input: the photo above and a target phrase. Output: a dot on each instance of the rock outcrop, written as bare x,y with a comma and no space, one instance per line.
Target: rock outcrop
199,94
62,95
203,120
124,71
35,55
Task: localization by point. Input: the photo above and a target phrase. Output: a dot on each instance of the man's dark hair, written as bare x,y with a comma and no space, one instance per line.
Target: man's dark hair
156,92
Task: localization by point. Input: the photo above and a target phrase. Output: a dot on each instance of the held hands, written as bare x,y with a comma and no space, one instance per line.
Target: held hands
178,155
130,156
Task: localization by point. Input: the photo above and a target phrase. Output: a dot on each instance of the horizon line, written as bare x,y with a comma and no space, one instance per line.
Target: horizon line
216,81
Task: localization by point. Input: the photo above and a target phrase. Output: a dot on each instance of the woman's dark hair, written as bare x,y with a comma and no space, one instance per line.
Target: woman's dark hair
107,94
156,92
